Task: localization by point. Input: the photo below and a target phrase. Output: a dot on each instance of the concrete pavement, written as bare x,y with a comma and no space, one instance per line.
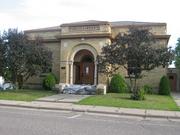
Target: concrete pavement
176,96
21,121
93,109
63,98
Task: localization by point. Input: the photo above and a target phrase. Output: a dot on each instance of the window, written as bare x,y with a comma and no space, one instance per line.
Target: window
87,70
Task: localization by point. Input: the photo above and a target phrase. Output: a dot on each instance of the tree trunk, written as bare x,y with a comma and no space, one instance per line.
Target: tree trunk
14,78
135,85
20,81
107,82
131,83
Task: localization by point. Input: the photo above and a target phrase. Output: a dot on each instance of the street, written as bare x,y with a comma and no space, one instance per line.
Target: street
19,121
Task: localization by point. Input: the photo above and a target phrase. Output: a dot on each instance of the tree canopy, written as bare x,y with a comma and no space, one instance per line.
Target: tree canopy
177,54
134,51
22,58
2,56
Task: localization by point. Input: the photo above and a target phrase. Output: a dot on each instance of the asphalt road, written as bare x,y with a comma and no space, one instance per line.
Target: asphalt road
15,121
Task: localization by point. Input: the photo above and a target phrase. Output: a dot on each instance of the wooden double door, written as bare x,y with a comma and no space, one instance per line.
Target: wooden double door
173,81
84,72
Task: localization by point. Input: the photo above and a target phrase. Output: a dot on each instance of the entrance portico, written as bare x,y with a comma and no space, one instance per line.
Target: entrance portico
83,67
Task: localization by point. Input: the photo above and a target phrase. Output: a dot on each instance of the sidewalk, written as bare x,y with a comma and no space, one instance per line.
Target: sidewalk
93,109
176,96
63,98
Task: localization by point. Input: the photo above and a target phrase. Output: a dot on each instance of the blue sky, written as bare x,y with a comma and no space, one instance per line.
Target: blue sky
29,14
7,5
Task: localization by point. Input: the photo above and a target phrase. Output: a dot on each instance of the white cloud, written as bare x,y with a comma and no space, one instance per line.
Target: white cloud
41,13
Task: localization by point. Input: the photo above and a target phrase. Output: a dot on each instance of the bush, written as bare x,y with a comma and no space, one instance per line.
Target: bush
148,89
57,81
49,82
139,95
164,86
118,84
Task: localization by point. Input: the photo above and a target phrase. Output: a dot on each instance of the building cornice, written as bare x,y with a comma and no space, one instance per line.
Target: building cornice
105,35
139,25
162,36
48,40
85,23
39,30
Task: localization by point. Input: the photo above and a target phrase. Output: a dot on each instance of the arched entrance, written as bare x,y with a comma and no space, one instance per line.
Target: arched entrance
83,67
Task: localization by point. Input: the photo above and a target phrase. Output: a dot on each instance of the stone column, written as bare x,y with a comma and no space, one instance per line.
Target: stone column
67,72
95,73
71,72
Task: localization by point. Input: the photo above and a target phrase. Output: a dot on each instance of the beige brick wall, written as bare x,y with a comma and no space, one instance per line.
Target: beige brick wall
55,48
152,78
43,34
156,30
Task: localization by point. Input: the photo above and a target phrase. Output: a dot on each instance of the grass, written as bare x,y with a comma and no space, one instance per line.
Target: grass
156,102
24,94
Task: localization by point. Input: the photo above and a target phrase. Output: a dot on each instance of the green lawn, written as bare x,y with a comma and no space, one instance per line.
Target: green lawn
123,100
24,94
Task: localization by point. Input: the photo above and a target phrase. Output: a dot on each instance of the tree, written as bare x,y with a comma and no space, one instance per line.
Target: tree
177,54
134,52
24,58
2,57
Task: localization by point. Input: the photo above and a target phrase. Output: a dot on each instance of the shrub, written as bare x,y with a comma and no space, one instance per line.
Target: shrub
118,84
164,86
148,89
139,95
57,81
49,82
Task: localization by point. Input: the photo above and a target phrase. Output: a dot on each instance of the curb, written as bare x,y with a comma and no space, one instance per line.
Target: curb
35,107
55,101
92,111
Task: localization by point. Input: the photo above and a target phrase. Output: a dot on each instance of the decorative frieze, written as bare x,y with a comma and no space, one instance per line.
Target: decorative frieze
84,28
